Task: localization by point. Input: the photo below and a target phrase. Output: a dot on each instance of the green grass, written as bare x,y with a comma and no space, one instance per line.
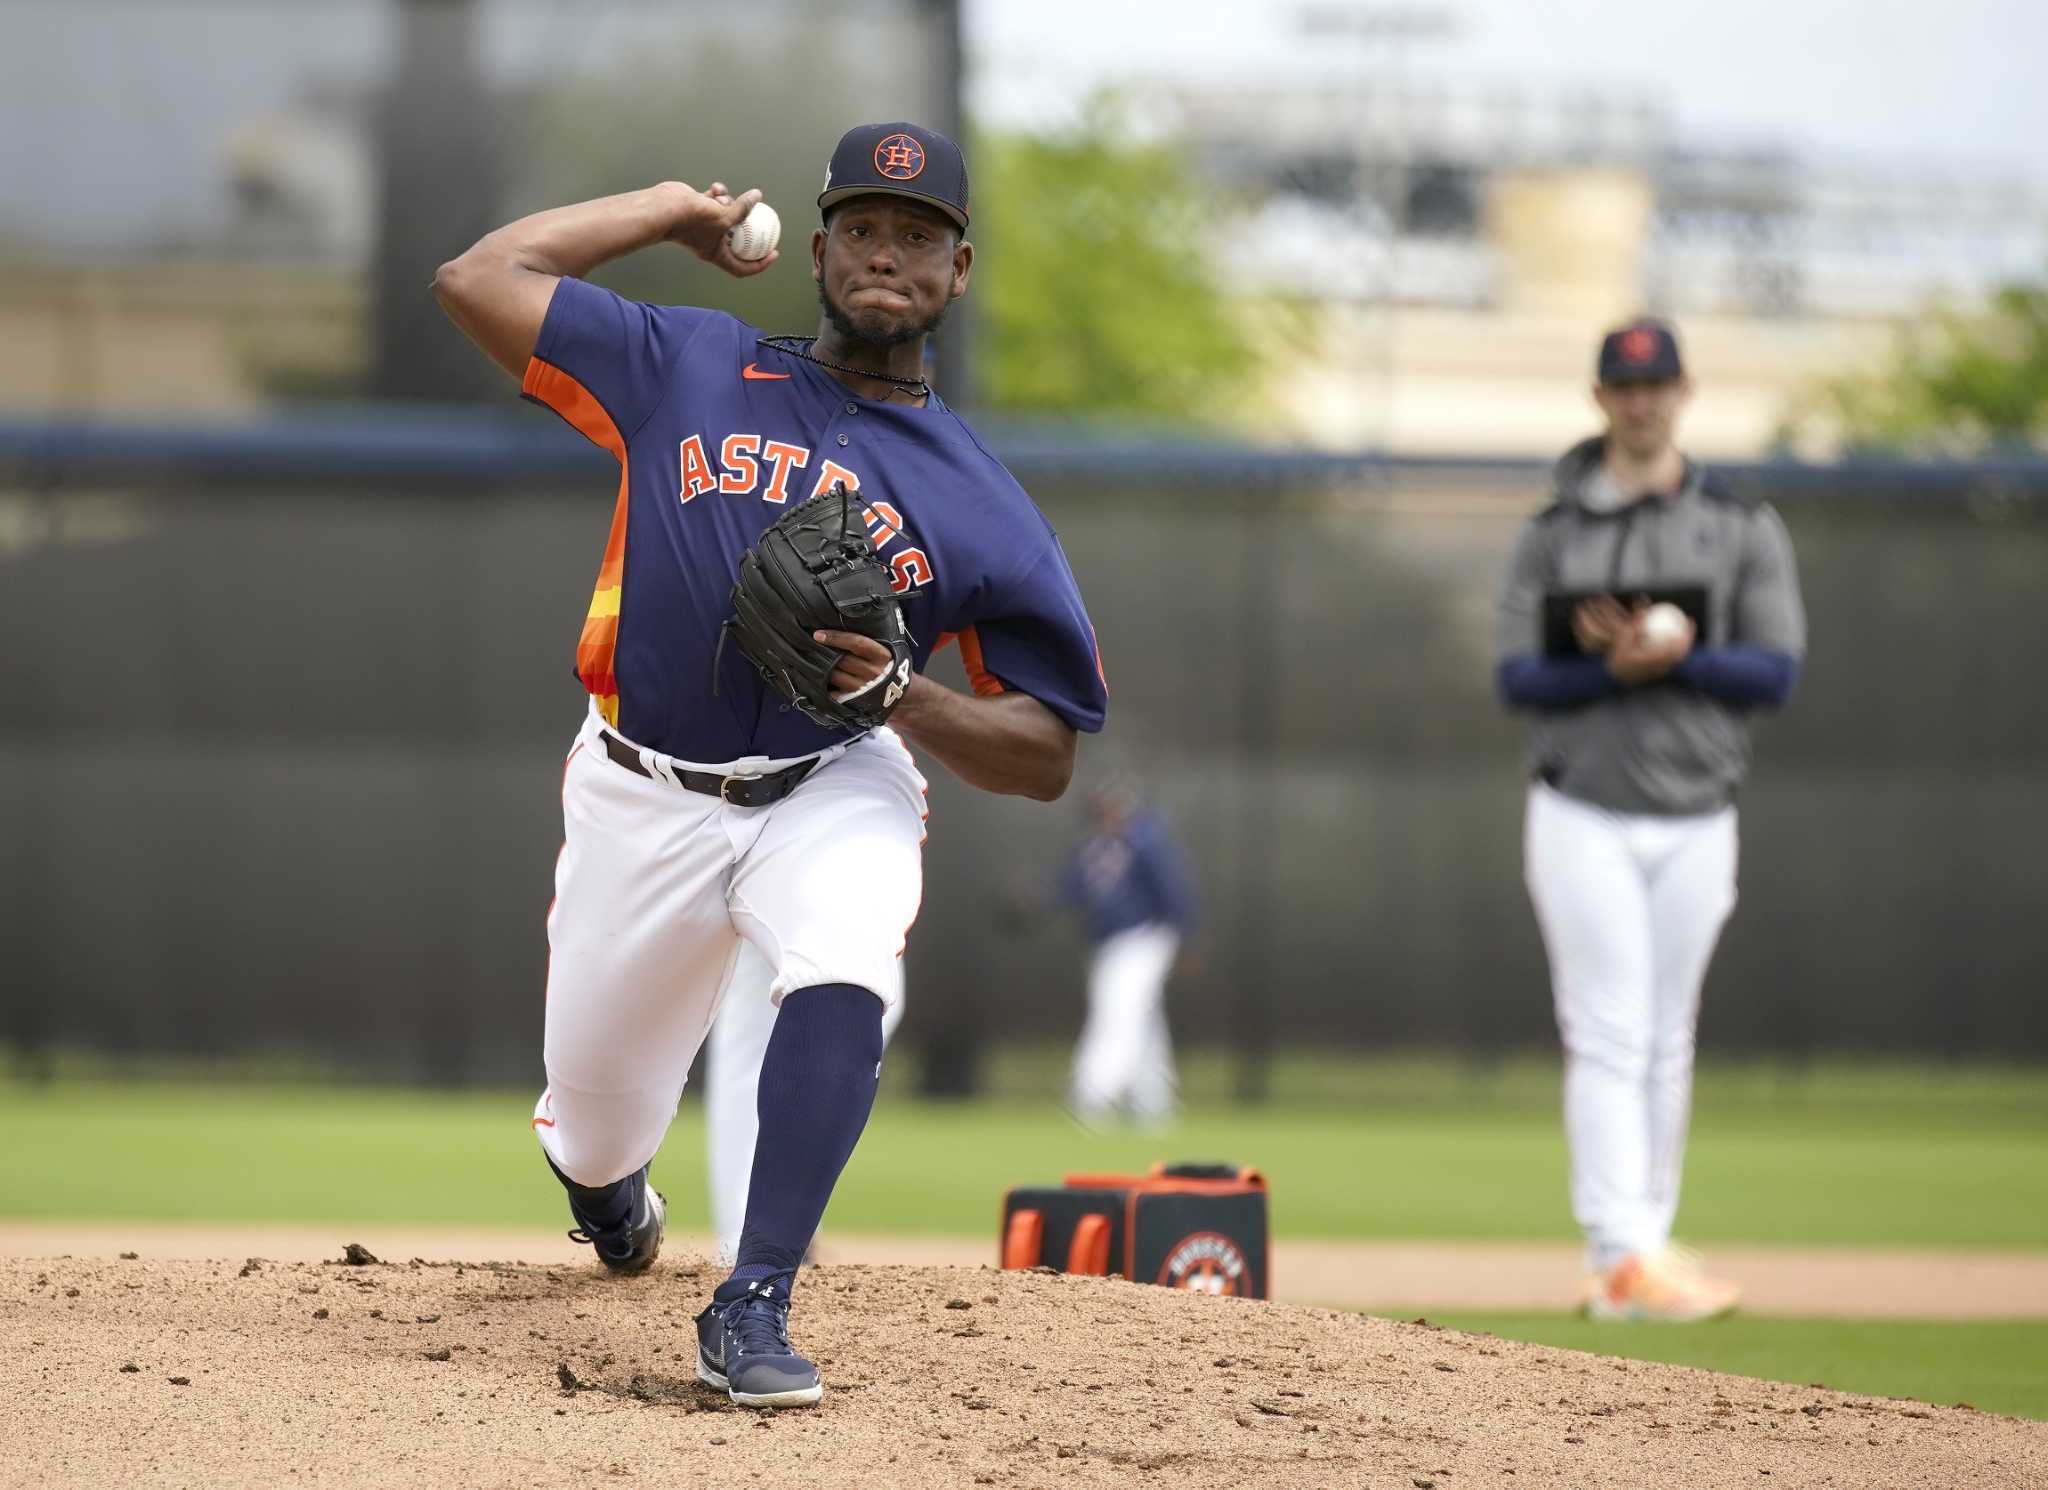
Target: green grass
1850,1156
1998,1366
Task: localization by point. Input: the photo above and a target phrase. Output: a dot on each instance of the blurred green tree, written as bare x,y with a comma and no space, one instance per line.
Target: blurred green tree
1096,296
1957,381
680,99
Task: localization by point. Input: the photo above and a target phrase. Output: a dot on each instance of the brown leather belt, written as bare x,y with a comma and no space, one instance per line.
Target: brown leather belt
736,791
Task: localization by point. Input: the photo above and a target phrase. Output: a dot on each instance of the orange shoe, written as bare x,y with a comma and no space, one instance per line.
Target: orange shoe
1668,1287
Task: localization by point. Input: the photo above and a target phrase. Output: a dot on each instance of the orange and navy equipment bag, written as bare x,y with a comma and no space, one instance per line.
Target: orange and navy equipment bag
1201,1227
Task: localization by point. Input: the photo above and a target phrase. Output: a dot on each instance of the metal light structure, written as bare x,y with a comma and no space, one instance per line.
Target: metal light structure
1395,28
1262,668
1379,22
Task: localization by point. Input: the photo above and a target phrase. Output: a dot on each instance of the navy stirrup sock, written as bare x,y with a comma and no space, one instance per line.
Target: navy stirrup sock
817,1087
605,1206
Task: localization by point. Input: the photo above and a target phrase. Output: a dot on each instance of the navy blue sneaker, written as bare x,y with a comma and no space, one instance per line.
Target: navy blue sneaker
632,1245
743,1347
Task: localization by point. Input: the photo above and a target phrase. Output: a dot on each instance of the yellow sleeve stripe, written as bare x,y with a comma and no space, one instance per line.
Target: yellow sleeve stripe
605,602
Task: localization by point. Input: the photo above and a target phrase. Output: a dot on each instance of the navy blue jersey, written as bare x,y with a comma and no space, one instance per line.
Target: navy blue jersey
1132,877
715,434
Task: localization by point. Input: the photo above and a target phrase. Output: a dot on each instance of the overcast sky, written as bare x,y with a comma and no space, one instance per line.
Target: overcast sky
116,111
1955,83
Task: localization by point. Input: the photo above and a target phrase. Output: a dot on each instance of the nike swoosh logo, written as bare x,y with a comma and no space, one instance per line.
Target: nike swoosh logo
753,374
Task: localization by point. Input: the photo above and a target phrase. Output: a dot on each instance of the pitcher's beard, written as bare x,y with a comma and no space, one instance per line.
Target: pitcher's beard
876,328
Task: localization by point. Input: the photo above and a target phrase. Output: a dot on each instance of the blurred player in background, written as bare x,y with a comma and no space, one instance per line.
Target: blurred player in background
1639,739
1129,881
732,1117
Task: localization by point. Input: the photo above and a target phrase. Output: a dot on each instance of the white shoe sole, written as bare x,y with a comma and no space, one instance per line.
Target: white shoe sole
802,1397
660,1209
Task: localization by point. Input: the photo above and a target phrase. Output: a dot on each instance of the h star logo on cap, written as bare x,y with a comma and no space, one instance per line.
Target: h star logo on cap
1638,344
899,157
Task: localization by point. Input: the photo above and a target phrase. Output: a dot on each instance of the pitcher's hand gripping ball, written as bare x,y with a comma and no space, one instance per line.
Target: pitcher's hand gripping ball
816,569
757,233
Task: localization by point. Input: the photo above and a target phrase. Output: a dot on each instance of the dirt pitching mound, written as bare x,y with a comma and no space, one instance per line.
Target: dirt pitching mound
136,1372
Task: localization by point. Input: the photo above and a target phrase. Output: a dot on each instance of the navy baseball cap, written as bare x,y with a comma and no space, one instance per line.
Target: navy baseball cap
1643,351
898,160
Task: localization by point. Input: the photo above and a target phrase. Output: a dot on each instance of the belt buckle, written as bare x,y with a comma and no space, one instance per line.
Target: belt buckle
725,790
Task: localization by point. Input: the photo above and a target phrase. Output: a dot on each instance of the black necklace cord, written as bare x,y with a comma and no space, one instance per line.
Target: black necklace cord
917,386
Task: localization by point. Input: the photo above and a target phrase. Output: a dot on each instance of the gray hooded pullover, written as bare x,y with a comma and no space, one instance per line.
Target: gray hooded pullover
1679,746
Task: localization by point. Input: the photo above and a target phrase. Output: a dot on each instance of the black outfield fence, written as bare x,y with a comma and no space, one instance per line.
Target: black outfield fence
283,715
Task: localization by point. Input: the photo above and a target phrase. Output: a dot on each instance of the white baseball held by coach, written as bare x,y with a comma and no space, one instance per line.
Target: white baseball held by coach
757,234
1662,624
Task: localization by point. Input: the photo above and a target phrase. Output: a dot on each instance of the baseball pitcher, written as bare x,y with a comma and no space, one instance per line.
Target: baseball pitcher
800,523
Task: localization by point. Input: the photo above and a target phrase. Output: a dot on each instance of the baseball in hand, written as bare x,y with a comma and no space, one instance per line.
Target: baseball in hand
757,234
1661,625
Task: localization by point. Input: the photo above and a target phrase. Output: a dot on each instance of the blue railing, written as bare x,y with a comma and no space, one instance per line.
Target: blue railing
513,446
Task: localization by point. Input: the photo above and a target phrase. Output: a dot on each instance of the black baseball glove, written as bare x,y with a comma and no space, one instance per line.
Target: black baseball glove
816,569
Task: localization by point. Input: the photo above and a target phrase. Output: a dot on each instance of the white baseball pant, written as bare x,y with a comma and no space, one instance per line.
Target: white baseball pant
656,891
1125,1055
1630,907
732,1081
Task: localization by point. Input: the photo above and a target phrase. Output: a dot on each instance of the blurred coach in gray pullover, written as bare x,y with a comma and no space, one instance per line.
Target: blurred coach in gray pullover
1646,614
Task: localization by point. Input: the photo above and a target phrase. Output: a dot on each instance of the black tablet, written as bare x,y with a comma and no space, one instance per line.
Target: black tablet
1558,640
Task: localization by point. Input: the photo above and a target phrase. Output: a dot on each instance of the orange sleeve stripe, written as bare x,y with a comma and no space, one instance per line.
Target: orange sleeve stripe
575,403
548,384
985,683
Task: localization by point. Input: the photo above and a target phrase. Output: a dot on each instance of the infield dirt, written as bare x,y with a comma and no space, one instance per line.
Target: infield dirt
142,1372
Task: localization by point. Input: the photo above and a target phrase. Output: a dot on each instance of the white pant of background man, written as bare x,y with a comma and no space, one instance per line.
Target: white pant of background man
1630,906
732,1118
1125,1057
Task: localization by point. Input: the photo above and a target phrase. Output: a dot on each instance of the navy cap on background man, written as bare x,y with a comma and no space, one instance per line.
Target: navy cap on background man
1643,351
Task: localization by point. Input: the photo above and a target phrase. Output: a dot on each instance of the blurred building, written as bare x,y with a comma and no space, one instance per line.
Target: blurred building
241,205
1462,248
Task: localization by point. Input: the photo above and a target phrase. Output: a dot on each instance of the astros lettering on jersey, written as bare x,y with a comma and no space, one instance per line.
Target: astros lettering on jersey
715,430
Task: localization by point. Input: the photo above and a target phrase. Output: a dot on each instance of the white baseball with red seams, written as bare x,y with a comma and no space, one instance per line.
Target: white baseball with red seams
758,234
